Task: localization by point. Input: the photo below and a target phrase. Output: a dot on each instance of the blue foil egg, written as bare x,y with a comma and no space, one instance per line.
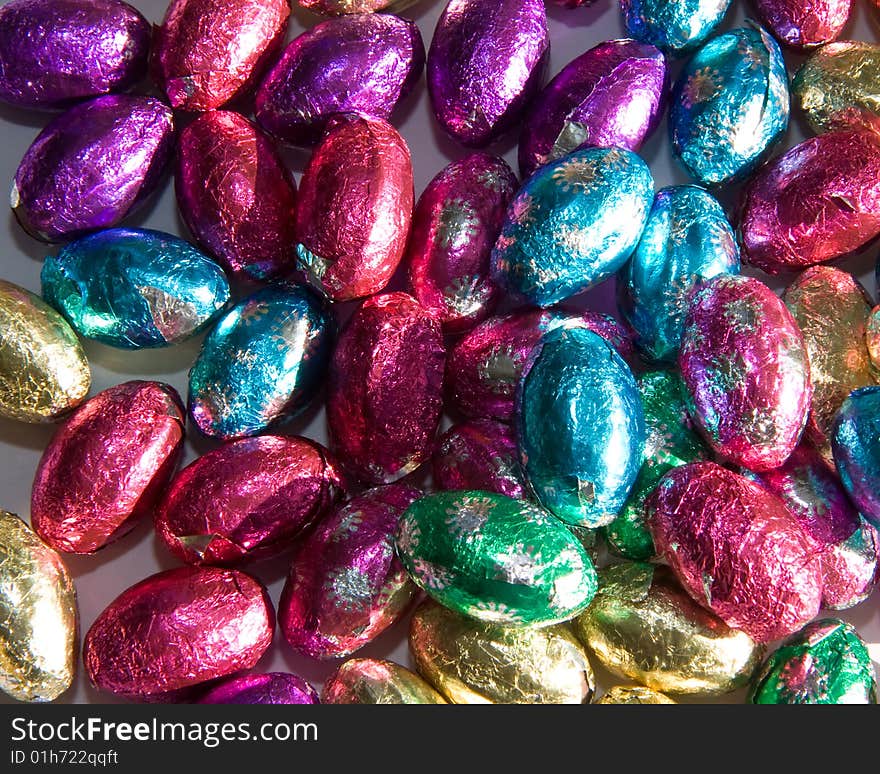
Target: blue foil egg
262,363
856,452
134,288
572,224
729,106
687,239
580,426
674,26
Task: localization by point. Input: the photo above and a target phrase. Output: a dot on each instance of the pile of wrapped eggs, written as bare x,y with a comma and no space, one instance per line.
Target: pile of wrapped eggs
674,494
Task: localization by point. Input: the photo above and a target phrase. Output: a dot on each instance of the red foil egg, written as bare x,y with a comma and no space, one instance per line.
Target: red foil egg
385,389
455,225
205,53
355,208
236,196
246,500
107,465
346,584
804,24
736,549
177,629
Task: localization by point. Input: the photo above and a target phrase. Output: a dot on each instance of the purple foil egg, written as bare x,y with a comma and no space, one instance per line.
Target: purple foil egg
486,61
364,63
804,24
455,225
54,52
91,166
268,688
614,94
346,584
479,454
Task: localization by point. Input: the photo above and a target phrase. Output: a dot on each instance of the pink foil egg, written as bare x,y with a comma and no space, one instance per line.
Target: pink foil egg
246,500
107,465
736,549
385,388
268,688
346,584
804,24
177,629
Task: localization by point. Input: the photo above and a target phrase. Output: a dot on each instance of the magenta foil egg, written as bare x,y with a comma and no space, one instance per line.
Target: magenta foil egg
205,53
266,688
177,629
612,95
455,225
91,166
479,454
804,24
736,549
107,466
246,500
385,389
346,584
363,63
236,196
485,63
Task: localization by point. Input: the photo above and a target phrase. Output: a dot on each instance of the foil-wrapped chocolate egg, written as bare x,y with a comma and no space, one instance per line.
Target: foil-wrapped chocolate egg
91,166
643,626
674,26
375,681
479,454
687,239
342,7
872,338
355,208
246,500
836,87
856,452
236,196
205,53
495,559
804,24
267,688
262,363
181,627
746,369
827,662
635,694
474,662
38,638
848,546
729,106
385,389
363,63
486,364
736,549
580,426
346,585
455,225
612,95
818,201
134,288
831,308
55,52
43,369
486,62
107,466
573,224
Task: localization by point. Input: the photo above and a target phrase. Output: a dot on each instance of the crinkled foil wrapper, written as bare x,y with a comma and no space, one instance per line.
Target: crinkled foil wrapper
856,452
161,635
342,7
674,27
804,25
375,681
38,635
267,688
471,662
635,694
872,339
736,549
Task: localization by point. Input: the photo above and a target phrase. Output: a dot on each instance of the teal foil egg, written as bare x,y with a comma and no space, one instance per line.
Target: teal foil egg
729,106
687,238
580,426
134,288
674,26
854,434
572,224
262,363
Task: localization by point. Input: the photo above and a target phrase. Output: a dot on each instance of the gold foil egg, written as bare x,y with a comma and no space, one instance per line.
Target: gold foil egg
376,681
38,619
643,626
635,694
43,369
473,662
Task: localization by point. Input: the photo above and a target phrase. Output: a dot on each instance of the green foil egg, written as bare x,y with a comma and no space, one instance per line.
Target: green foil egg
495,559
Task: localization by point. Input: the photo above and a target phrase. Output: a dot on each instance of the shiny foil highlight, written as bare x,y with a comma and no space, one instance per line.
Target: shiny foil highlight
635,694
375,681
268,688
